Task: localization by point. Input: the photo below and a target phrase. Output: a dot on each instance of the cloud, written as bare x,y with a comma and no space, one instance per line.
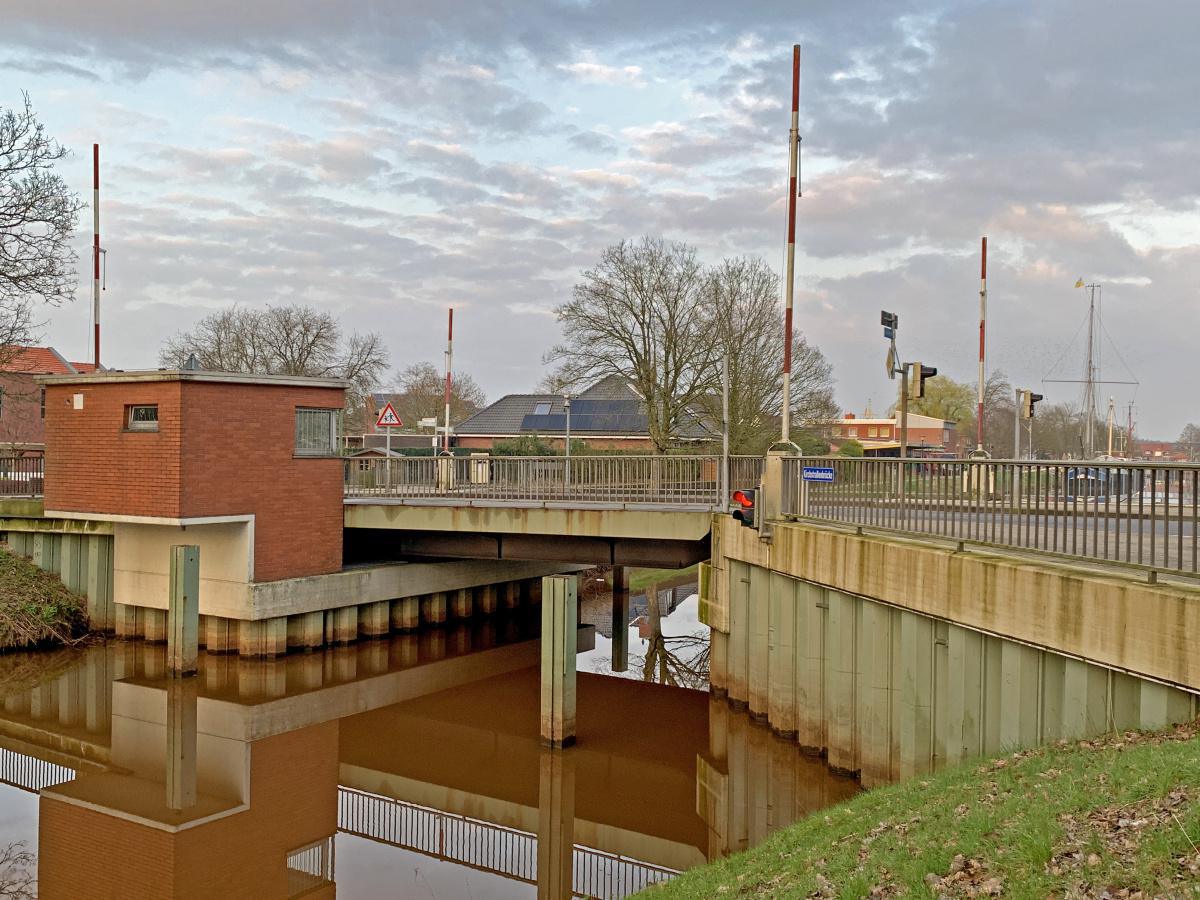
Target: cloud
599,73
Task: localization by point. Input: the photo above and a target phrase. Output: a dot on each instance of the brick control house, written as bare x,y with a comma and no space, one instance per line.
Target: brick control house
245,466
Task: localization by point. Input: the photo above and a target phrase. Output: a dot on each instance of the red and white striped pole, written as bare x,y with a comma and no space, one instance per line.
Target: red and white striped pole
96,251
982,345
449,356
793,174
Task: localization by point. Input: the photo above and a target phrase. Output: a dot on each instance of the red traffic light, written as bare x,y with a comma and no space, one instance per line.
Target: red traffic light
743,499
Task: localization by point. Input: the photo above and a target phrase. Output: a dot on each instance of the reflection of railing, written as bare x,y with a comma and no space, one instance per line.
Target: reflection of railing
22,476
1128,512
486,846
658,480
310,868
30,773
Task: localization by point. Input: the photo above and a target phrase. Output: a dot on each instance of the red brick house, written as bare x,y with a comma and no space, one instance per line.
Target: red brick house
22,400
881,437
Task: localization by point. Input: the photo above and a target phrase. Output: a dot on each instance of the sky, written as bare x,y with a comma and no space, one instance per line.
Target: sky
385,161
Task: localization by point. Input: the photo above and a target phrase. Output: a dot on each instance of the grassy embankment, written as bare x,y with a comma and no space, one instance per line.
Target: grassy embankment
1115,817
36,609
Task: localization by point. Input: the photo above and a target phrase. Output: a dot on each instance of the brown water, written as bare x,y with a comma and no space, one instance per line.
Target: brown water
408,767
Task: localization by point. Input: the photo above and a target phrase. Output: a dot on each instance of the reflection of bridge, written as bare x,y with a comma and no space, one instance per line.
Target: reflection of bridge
497,849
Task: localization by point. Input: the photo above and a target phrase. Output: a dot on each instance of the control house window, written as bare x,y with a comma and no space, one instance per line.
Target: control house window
852,432
873,431
316,432
141,418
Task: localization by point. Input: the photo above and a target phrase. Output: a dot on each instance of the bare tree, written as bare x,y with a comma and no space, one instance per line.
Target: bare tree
420,392
640,313
282,340
678,660
743,306
37,217
18,880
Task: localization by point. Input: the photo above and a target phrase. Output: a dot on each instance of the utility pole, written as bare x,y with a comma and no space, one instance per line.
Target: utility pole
982,344
1017,424
1111,411
96,252
904,411
567,446
1089,399
449,362
725,431
793,189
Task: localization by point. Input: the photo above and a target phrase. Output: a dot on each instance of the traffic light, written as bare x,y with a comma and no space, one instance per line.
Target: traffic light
917,374
890,322
1028,399
743,507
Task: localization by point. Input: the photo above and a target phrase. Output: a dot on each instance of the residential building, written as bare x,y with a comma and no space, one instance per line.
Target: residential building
1163,451
22,400
609,415
927,435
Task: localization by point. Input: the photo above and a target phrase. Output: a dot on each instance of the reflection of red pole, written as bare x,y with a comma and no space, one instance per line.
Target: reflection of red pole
96,250
449,352
982,330
793,176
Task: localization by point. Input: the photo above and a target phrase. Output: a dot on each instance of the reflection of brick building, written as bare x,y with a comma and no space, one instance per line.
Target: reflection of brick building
22,400
881,437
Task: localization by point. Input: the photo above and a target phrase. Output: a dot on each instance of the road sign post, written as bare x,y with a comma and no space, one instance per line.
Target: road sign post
387,420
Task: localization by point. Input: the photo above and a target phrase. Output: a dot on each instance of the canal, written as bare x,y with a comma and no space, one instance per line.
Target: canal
404,767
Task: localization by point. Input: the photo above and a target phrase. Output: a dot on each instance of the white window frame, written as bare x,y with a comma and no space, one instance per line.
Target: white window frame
308,419
145,425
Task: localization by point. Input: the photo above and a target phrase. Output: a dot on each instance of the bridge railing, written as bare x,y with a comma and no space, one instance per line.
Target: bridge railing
1136,513
486,846
22,476
658,480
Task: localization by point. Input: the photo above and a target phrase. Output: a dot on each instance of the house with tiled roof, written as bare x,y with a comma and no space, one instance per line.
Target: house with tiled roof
609,415
22,401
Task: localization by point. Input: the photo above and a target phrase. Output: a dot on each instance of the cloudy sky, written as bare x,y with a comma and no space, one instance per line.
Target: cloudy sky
385,160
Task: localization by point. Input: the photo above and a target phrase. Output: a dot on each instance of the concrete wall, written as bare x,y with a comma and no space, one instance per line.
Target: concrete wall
888,690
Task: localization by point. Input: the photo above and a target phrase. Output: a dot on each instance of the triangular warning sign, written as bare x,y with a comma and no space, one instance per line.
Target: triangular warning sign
388,418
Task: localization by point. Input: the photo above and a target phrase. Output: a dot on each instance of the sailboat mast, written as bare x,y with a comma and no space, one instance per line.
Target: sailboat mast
1089,397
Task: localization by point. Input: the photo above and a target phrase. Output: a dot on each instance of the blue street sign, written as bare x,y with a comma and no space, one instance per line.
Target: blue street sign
889,333
818,473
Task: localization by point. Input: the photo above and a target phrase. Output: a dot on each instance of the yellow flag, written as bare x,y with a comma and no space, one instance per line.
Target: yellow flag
1079,283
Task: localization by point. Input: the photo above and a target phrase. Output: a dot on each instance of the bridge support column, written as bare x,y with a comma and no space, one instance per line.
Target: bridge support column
556,824
183,611
341,625
433,609
560,613
533,591
485,599
154,625
265,637
406,614
462,604
781,651
220,635
306,631
510,595
374,619
127,622
620,619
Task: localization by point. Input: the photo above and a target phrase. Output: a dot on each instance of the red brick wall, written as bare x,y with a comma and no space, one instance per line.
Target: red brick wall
94,465
222,449
245,464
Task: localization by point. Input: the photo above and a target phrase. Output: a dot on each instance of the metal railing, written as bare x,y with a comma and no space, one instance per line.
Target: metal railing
22,476
486,846
657,480
30,773
1128,512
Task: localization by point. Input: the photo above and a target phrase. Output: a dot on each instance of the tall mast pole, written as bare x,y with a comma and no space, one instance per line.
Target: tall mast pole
982,344
793,175
1089,405
96,252
449,361
1111,413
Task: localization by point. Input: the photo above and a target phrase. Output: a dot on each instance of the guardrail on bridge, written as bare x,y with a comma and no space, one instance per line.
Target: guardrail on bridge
22,476
655,480
1129,512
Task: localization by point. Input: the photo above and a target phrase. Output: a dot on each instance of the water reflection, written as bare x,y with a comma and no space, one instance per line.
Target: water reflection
403,767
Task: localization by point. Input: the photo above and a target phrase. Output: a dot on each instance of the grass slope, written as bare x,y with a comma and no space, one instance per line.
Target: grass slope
1116,817
36,608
